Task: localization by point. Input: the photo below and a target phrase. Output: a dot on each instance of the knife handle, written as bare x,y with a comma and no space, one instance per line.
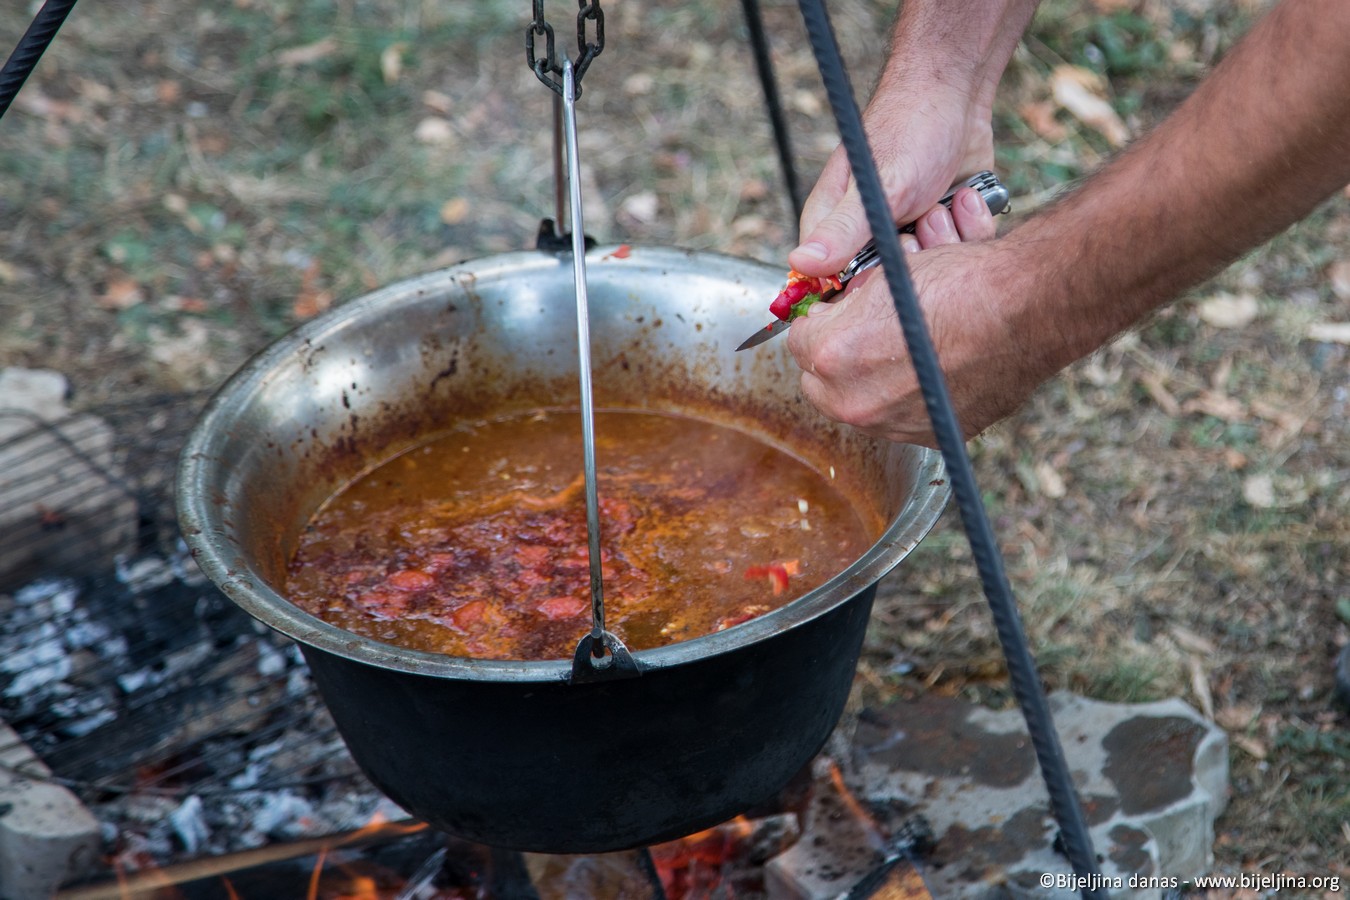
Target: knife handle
992,191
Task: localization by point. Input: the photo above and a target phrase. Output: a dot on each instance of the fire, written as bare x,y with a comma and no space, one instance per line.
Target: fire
697,865
314,876
860,813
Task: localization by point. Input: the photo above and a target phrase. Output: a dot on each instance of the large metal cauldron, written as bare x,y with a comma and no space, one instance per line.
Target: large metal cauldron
513,753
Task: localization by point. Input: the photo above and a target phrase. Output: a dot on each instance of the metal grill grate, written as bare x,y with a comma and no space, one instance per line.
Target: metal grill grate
185,726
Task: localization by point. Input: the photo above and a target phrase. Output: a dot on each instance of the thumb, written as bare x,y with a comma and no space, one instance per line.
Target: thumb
836,237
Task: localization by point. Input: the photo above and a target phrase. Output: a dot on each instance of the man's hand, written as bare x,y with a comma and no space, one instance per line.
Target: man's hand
924,140
929,121
855,368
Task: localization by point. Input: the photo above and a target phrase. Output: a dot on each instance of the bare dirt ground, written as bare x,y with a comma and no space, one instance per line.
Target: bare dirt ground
179,183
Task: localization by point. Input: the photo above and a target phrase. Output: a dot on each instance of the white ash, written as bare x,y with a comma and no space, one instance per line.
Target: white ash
189,823
144,574
270,661
189,728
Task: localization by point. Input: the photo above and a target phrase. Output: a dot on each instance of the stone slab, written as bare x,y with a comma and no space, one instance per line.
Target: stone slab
47,837
1152,778
838,848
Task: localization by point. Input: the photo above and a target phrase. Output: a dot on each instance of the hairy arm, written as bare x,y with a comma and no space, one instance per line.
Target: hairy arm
928,121
1263,140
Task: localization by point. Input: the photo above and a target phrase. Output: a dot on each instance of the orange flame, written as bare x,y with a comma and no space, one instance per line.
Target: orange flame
694,866
313,892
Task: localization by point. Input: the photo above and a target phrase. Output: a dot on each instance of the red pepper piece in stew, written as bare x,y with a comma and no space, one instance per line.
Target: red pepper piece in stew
410,580
744,614
562,607
469,614
777,573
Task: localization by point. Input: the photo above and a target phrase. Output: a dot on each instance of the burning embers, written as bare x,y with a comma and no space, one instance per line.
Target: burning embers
763,855
186,728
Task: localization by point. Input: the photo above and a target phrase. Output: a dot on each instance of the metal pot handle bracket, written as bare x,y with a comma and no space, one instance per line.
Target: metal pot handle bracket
613,661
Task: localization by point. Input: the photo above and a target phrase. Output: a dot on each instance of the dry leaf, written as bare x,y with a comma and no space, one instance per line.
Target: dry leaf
186,304
455,210
168,91
184,353
639,84
1218,380
640,208
1229,310
1236,718
306,53
749,226
1049,480
1286,419
391,62
1160,394
1200,685
1220,406
95,91
121,292
1267,491
1251,745
176,204
437,102
311,300
807,103
1083,94
754,189
44,107
1330,332
1115,6
434,130
1189,640
1040,118
1338,273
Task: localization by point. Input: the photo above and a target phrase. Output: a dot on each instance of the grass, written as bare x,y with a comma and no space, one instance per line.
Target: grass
180,184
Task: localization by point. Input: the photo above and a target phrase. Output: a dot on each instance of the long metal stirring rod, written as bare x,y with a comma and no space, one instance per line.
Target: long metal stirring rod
584,361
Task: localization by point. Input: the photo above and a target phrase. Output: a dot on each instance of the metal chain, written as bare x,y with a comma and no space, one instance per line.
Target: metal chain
547,67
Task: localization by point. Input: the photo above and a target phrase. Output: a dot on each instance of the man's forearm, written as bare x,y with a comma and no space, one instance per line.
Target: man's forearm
962,43
1263,140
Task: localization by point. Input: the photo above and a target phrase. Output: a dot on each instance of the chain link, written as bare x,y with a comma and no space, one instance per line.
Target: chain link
548,68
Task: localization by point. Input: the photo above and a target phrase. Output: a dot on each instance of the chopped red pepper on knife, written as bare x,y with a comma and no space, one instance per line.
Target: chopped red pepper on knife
800,293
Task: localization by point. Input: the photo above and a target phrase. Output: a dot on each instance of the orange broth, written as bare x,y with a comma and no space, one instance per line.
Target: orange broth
474,544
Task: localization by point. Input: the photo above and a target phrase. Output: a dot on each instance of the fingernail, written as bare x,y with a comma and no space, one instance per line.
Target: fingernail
813,249
972,202
941,224
910,243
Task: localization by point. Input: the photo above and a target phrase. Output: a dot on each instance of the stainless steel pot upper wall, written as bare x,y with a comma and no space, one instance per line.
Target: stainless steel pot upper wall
396,366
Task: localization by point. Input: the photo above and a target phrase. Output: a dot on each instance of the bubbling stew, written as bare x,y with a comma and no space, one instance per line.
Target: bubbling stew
474,544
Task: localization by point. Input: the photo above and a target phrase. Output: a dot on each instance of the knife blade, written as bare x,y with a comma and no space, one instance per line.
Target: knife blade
995,196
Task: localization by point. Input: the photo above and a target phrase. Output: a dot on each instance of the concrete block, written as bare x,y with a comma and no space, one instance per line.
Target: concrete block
47,837
1152,778
838,847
